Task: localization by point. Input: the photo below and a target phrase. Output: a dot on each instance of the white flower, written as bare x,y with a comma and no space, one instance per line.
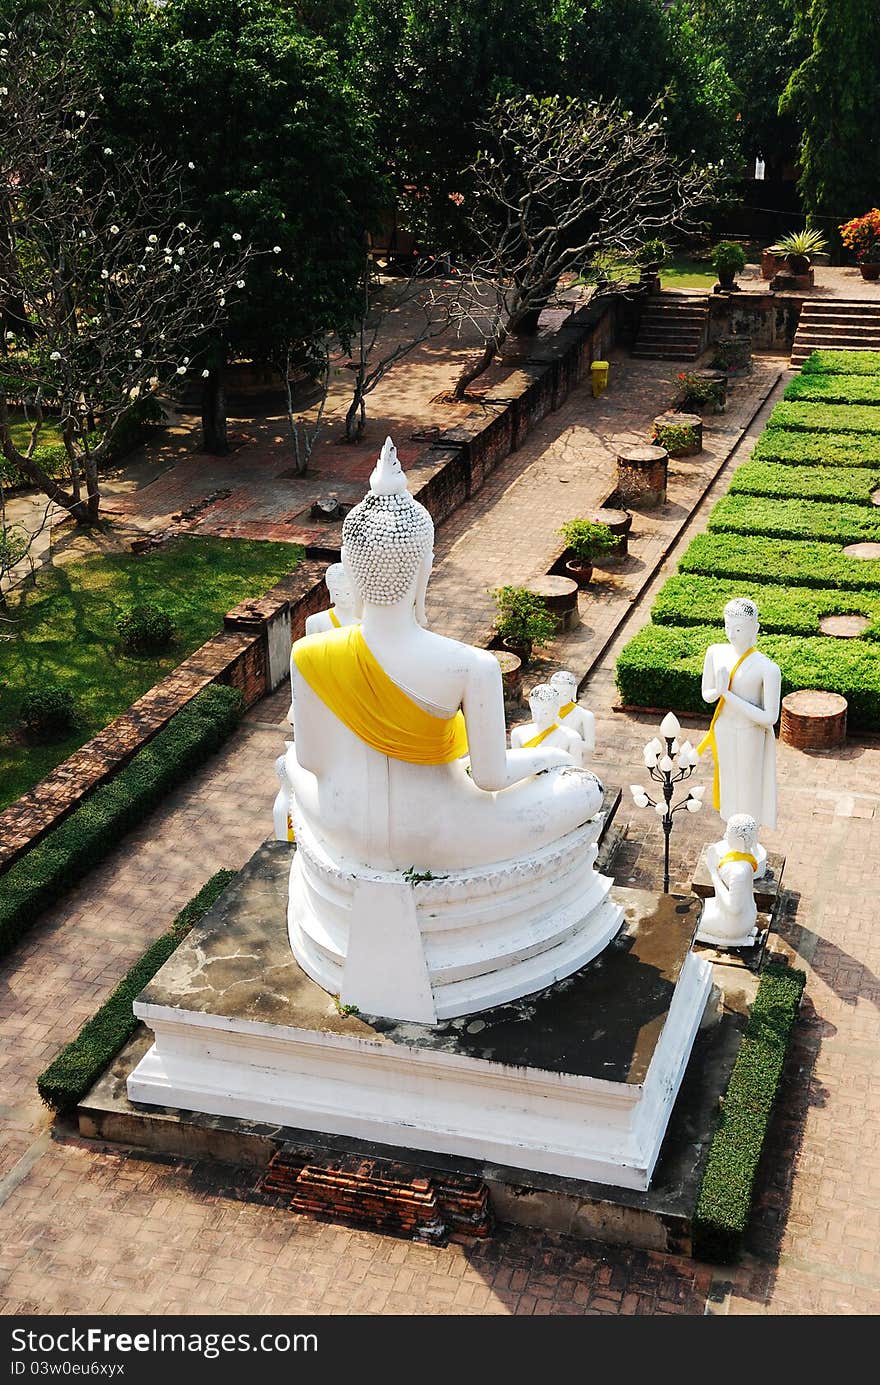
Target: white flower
186,360
239,283
4,91
236,236
55,356
150,250
82,235
181,370
222,302
180,249
152,239
79,191
114,230
105,274
176,268
107,149
276,249
138,355
181,225
190,164
10,336
216,244
205,374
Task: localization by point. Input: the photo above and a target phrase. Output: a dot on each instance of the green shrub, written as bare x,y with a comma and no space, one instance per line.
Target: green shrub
853,484
795,448
84,838
690,600
842,363
52,457
796,519
725,1198
825,418
662,667
49,712
834,389
522,617
588,540
78,1066
752,558
145,628
728,258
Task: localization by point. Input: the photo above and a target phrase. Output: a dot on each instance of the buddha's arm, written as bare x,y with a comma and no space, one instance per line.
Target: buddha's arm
767,714
493,766
305,734
722,893
589,729
709,690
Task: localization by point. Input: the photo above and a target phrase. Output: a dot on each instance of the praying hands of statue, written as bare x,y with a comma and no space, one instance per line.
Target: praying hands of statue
766,715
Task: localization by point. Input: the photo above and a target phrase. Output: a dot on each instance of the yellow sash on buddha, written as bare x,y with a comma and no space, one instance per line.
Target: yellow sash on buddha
334,618
569,707
291,835
708,740
739,856
541,736
342,671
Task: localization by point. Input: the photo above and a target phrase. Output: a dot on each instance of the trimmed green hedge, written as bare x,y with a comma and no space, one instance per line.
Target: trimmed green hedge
842,363
795,448
825,418
796,519
84,838
691,600
78,1066
799,564
835,389
662,667
855,484
725,1198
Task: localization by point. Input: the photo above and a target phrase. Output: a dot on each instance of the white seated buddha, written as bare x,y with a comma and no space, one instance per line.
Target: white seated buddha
545,727
344,608
427,859
572,714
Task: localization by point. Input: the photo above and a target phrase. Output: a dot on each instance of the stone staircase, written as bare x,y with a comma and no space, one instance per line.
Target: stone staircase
838,324
673,327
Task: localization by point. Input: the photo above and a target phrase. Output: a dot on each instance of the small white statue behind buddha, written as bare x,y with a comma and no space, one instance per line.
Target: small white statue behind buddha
572,714
729,917
545,727
282,808
344,609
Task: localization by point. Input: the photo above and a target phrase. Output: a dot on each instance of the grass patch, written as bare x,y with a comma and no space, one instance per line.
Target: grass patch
725,1198
825,418
63,631
834,389
691,600
796,519
851,484
842,363
65,854
793,448
78,1066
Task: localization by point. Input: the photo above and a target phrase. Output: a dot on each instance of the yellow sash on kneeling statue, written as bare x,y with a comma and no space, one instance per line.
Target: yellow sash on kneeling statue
569,707
739,856
709,742
541,736
334,618
341,670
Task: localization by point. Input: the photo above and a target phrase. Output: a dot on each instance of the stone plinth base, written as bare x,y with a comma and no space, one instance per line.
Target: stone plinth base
560,597
813,720
641,476
681,434
577,1081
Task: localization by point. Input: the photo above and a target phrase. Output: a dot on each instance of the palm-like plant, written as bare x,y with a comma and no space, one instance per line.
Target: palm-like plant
798,246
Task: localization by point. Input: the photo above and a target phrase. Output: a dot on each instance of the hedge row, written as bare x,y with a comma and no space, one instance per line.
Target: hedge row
690,600
842,363
794,448
78,1066
825,418
835,389
662,667
796,519
758,559
725,1198
854,484
84,838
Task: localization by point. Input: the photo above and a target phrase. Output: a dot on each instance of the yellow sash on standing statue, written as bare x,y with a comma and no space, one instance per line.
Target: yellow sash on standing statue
709,738
738,856
541,736
334,618
569,707
341,670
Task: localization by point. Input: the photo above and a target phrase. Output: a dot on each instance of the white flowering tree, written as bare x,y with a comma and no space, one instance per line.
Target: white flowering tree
561,187
107,291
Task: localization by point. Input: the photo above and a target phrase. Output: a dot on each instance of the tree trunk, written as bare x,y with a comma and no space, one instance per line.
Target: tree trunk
93,494
214,436
473,372
356,418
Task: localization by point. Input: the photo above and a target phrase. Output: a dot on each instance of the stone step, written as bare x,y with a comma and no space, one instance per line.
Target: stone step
849,306
827,322
664,354
674,318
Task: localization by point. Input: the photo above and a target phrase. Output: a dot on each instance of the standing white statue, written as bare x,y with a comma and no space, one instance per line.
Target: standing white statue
545,727
571,713
436,871
729,917
746,686
344,609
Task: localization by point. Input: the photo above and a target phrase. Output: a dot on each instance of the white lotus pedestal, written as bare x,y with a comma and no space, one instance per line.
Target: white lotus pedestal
577,1081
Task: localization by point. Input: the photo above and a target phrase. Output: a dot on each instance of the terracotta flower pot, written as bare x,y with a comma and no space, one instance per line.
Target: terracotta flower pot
523,651
581,572
870,271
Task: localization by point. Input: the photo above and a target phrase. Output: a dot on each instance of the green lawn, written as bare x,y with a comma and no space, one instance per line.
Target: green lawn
685,272
64,631
21,431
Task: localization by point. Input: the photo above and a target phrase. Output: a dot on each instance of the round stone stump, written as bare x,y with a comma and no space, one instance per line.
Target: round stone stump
620,523
680,434
641,476
559,595
511,679
733,354
813,720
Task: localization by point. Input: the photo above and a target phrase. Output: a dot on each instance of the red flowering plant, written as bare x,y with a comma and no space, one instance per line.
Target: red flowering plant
862,236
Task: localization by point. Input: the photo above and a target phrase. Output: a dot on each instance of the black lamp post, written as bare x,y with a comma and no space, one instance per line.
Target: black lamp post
668,764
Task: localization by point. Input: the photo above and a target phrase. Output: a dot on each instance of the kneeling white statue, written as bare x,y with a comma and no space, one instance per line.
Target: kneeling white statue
427,879
344,608
545,727
571,713
729,917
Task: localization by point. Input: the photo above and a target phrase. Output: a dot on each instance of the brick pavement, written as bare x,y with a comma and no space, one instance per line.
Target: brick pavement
90,1231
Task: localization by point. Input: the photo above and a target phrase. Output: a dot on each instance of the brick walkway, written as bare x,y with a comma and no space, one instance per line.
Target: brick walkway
105,1232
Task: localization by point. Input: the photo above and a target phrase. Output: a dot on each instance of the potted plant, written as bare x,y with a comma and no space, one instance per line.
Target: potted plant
650,257
522,621
796,249
728,260
586,541
862,237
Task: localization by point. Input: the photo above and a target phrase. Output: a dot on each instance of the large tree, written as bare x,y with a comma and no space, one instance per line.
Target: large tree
835,96
274,142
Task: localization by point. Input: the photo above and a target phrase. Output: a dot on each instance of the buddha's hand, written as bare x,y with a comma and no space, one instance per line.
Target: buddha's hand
553,759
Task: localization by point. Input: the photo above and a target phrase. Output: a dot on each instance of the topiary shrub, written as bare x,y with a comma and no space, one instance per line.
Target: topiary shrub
49,712
145,628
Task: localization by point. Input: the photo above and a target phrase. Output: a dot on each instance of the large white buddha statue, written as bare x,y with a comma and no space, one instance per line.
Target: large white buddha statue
746,687
436,871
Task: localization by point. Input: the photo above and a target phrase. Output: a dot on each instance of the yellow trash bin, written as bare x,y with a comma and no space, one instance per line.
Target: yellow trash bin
599,372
